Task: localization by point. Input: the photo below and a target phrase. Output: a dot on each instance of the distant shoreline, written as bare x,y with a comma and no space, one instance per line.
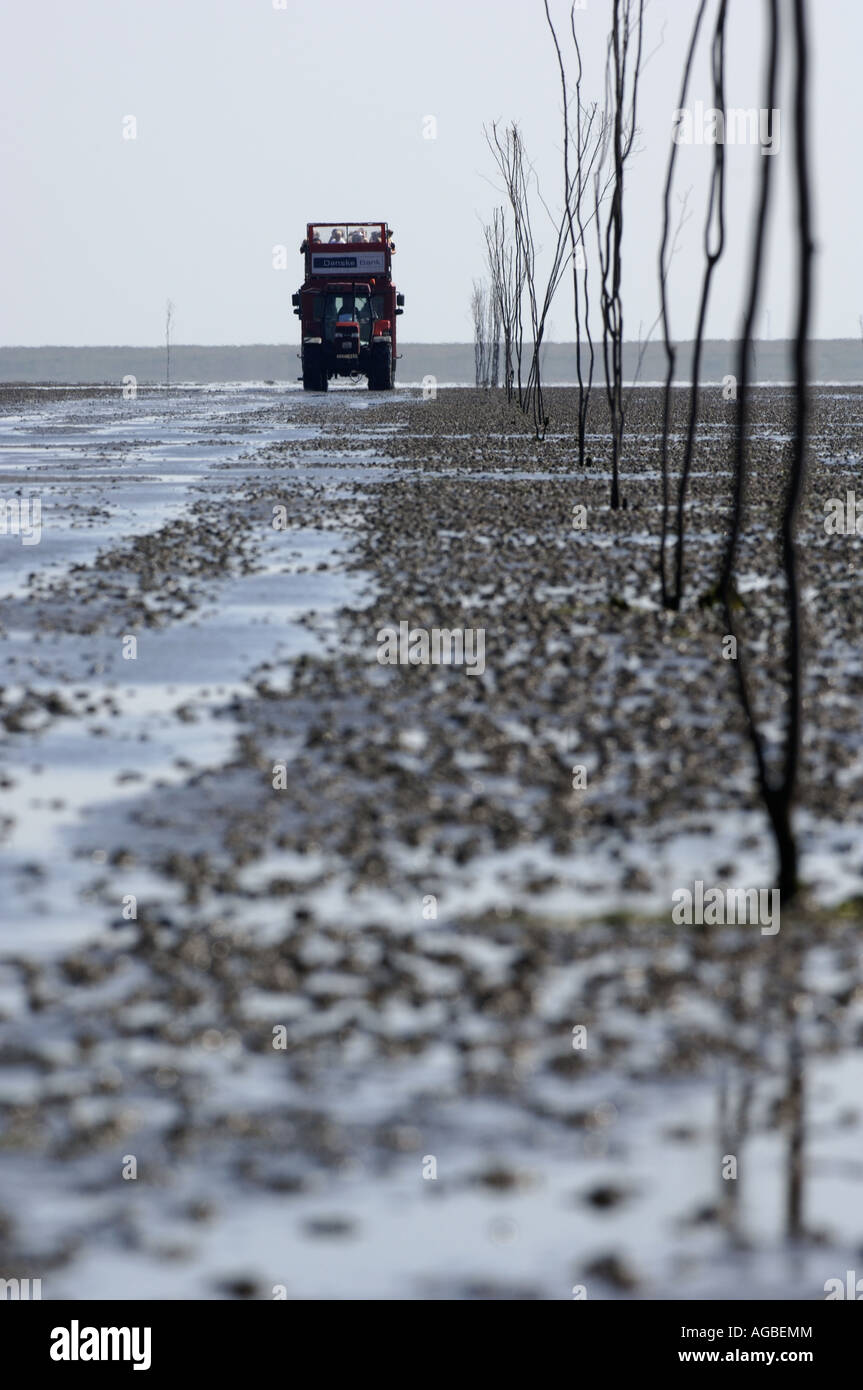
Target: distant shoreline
836,361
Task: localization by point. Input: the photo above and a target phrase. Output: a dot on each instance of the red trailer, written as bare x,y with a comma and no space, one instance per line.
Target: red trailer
348,305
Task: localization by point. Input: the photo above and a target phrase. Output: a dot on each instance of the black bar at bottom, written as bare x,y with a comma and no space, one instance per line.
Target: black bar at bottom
68,1339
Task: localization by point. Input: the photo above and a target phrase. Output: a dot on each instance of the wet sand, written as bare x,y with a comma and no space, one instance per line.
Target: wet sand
336,1036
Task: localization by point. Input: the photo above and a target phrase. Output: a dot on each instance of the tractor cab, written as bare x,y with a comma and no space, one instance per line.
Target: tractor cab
354,305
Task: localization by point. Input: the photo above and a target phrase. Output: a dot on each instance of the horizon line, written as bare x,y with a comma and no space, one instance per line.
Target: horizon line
413,342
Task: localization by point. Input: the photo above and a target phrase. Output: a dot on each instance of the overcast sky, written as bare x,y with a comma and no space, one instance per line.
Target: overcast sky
252,120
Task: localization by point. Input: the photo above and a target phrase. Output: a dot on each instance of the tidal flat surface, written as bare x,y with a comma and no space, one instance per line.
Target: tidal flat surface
330,953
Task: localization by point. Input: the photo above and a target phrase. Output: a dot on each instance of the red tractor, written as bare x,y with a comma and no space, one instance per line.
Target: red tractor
348,304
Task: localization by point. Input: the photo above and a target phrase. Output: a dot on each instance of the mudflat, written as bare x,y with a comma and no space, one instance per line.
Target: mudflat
349,977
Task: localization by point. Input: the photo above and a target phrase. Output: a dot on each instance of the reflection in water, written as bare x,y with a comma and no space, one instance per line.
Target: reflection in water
774,998
795,1117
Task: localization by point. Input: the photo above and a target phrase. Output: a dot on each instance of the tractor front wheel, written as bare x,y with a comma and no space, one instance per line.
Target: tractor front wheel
381,368
314,371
